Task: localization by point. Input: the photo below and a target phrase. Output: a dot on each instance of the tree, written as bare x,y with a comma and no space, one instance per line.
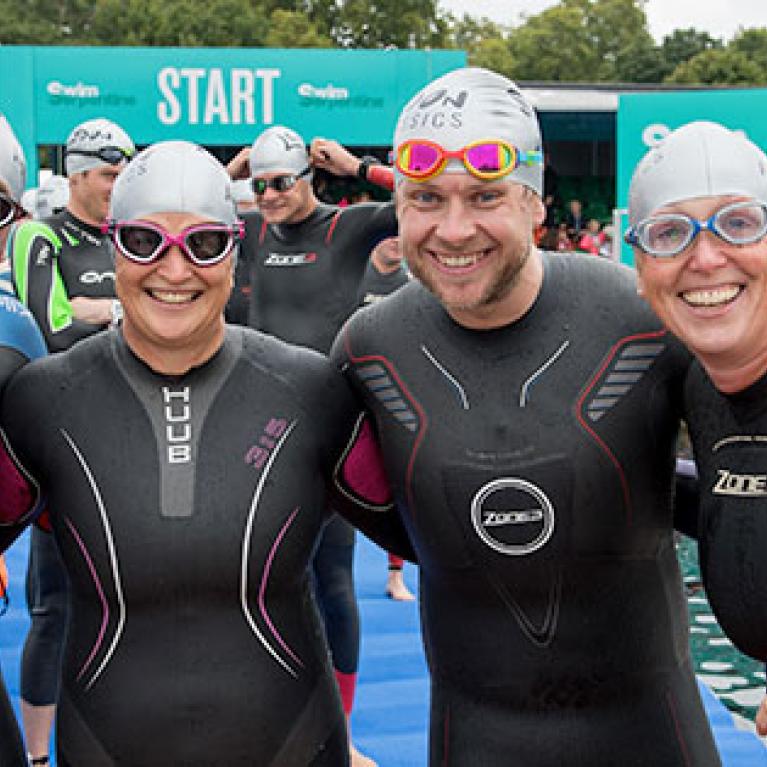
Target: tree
292,29
398,23
718,67
178,23
493,53
580,40
682,44
640,62
753,44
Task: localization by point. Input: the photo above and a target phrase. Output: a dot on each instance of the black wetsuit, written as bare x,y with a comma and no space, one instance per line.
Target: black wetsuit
301,280
729,437
533,466
20,341
186,509
300,283
53,261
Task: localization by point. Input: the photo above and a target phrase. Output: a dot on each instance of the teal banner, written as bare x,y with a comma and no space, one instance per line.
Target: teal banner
213,96
644,119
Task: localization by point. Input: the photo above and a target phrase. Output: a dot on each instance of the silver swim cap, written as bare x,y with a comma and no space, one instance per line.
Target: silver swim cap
13,167
242,191
173,177
278,149
90,138
472,104
700,159
52,196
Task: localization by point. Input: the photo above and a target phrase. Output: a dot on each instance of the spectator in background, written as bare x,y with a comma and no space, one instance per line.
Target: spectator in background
574,219
591,238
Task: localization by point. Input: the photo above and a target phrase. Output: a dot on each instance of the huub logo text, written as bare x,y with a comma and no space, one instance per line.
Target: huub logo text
746,485
178,424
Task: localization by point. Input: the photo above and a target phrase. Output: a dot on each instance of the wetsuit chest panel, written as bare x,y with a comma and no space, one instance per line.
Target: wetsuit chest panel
535,467
304,277
86,260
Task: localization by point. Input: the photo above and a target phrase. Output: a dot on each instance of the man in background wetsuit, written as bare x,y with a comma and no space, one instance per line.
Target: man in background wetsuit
20,341
63,270
185,466
698,215
300,269
527,405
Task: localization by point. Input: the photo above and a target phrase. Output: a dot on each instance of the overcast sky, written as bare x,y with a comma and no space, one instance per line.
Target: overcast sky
720,18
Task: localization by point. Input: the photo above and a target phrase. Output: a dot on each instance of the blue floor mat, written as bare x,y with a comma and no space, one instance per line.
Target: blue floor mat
389,722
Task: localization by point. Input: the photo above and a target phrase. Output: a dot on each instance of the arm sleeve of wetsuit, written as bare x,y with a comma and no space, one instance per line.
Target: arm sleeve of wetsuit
10,361
362,496
33,248
686,498
20,501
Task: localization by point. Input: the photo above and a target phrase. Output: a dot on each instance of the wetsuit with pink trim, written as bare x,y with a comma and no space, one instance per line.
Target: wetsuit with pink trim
533,467
186,510
729,436
300,282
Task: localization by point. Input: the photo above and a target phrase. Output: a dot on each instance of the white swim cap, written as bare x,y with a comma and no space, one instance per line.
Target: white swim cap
52,196
700,159
279,149
472,104
91,137
242,191
13,167
173,177
28,200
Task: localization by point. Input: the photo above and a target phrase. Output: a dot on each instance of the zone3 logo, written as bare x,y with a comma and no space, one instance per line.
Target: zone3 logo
290,259
746,485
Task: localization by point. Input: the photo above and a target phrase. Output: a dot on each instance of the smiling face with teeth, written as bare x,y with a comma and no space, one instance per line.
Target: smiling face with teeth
470,242
713,296
173,309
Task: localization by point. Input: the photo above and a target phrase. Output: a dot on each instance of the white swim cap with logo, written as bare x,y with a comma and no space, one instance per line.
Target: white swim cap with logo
13,166
174,177
473,104
279,150
699,159
91,136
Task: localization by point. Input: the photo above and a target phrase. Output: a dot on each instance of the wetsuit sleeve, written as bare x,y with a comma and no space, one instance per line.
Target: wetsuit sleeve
20,501
10,361
362,496
361,491
686,498
361,227
33,248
